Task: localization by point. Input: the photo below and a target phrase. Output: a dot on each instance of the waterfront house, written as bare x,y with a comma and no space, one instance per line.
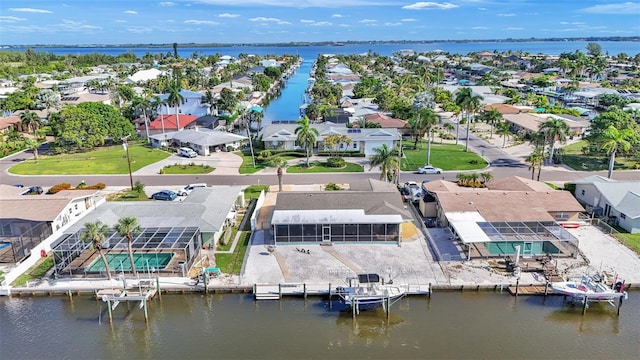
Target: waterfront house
163,123
618,202
27,220
509,212
369,211
283,136
173,232
192,105
143,76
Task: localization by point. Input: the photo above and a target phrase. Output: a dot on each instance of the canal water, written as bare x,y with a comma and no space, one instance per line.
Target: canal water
233,326
286,106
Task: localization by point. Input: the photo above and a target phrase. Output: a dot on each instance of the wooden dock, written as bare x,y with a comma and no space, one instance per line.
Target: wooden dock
530,290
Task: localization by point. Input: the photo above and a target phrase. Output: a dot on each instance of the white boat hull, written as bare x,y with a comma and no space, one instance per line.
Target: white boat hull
586,288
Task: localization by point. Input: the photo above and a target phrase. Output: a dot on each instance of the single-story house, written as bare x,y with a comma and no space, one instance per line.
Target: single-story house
616,201
369,211
530,123
203,141
24,227
144,76
388,122
510,212
163,123
283,136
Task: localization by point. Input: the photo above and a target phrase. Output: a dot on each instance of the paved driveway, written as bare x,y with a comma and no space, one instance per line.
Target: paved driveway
225,163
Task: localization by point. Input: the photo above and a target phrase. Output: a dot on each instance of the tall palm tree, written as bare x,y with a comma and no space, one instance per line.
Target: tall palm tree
280,163
614,140
505,131
31,121
306,135
387,161
555,129
418,129
96,232
470,104
535,160
141,105
128,226
209,99
32,144
430,119
492,117
157,104
175,99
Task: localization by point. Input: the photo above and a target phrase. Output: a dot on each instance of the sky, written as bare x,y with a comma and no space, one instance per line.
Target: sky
78,22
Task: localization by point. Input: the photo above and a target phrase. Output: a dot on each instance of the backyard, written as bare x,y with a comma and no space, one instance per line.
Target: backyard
106,160
631,240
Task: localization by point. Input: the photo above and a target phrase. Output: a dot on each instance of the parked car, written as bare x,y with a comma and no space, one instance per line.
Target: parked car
34,190
164,195
187,189
187,152
428,169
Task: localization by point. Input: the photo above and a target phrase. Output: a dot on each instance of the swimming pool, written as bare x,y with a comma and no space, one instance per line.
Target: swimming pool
144,262
4,245
509,247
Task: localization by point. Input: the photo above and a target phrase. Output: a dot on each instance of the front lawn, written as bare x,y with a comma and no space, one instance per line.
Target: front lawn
631,240
321,167
106,160
253,191
444,156
261,163
573,157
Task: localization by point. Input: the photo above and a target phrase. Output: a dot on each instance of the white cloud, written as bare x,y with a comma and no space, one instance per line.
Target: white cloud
482,9
201,22
167,3
120,21
626,8
408,20
139,29
336,16
265,19
514,28
507,15
305,21
71,25
368,21
131,12
31,10
479,28
321,23
428,5
392,24
571,23
11,19
297,3
227,15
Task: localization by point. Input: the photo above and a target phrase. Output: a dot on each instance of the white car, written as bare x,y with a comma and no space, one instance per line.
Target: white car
187,189
428,169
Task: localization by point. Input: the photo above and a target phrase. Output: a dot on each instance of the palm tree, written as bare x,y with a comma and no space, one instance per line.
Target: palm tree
387,161
31,121
141,105
486,177
32,144
418,129
535,160
448,127
96,232
492,117
175,99
157,103
280,163
128,226
306,135
505,131
209,99
470,104
430,118
615,140
555,130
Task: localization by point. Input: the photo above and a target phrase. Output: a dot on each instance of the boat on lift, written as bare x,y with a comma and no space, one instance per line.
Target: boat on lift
590,288
370,291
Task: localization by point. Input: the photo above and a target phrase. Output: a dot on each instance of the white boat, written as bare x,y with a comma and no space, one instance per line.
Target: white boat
370,292
591,288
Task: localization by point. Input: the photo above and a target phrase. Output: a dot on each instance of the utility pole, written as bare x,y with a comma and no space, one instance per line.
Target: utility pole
126,149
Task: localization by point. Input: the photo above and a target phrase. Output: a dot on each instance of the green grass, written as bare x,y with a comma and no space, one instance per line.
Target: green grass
232,263
187,169
320,167
253,191
128,195
35,272
247,163
632,241
107,160
444,156
575,159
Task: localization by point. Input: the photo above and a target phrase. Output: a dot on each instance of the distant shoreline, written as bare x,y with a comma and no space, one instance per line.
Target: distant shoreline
322,43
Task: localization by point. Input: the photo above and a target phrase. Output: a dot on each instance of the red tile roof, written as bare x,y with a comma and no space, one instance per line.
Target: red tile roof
386,121
169,122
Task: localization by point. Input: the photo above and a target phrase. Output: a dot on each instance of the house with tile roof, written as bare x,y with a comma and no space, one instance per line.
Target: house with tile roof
192,104
164,123
203,141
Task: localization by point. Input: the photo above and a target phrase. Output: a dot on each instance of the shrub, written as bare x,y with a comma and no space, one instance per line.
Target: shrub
336,162
230,148
138,187
332,187
59,187
265,154
447,136
82,185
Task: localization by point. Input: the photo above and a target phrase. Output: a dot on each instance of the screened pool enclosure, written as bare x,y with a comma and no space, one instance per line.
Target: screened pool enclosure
162,251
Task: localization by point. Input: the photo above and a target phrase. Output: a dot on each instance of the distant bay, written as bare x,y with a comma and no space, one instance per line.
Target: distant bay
631,48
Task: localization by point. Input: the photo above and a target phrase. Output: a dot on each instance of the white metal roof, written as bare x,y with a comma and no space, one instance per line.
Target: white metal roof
356,216
466,226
